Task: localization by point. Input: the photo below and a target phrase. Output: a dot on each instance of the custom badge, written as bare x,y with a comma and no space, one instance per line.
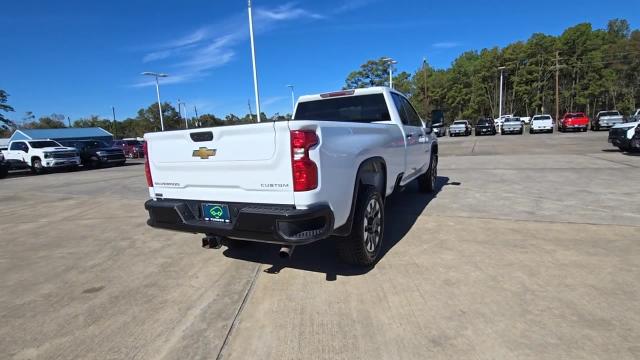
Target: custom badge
204,153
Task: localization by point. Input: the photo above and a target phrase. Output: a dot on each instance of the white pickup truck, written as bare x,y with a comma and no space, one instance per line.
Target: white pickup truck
325,172
40,155
606,120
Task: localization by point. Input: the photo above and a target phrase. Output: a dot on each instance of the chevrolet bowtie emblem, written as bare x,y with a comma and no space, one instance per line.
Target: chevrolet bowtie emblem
204,153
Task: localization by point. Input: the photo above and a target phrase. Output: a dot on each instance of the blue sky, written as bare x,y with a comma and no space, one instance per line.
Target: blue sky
79,58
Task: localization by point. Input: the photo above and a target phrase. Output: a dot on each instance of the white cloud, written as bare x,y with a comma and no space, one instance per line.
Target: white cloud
286,12
350,5
445,45
195,54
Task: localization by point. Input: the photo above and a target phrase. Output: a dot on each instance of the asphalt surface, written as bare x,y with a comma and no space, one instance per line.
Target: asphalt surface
531,249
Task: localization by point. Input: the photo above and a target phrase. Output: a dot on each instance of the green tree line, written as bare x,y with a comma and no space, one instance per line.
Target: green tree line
598,69
146,120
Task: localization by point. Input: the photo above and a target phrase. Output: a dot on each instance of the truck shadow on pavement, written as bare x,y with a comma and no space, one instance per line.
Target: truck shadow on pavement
401,212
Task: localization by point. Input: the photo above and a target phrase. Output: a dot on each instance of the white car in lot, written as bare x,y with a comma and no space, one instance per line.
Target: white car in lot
541,123
460,127
326,172
40,155
512,125
606,120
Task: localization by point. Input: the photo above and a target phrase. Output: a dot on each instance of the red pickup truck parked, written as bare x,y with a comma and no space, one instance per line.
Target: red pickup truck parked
574,121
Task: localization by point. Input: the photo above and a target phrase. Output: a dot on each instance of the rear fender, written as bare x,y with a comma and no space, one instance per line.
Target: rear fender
372,171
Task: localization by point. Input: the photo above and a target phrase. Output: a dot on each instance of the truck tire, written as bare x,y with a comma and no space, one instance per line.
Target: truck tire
363,245
427,181
3,172
36,166
94,163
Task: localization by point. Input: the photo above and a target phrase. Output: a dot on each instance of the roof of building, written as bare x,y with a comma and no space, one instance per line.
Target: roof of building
64,133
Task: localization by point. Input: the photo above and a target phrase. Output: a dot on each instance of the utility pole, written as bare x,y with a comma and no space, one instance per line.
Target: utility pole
195,110
115,125
557,85
426,97
253,61
69,121
501,68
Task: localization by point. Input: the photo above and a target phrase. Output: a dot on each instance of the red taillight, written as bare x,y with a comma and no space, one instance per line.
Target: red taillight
305,171
147,169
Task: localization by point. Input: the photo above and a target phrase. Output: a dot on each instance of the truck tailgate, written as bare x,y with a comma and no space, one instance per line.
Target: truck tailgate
241,163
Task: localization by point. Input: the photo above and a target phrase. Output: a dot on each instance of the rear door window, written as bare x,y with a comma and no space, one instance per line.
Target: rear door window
359,108
412,115
397,101
20,146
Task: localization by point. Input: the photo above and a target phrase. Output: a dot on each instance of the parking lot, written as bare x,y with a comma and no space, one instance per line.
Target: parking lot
530,249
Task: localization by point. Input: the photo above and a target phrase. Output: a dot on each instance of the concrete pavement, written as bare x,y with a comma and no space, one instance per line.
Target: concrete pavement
529,250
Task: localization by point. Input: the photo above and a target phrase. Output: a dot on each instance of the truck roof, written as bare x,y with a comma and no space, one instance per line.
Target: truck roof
348,92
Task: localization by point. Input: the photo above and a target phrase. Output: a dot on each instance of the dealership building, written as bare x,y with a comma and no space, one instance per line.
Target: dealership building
94,133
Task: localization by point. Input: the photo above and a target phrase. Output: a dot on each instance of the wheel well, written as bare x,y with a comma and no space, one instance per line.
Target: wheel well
33,158
372,171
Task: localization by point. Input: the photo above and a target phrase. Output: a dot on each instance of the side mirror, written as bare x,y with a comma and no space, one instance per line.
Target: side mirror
428,129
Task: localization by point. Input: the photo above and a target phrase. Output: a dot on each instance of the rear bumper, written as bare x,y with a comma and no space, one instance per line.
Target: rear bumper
575,125
457,131
278,224
485,130
511,130
608,125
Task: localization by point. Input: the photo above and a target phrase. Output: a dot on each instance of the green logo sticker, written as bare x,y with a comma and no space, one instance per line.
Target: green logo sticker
216,212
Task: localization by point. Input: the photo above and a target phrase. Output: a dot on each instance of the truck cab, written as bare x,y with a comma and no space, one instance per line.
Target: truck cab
573,121
326,172
40,155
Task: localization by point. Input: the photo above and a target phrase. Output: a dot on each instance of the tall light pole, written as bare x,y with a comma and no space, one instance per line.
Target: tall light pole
293,100
501,68
186,124
157,75
195,110
253,61
391,62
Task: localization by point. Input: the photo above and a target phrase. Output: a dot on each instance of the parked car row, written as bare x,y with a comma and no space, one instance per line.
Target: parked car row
571,121
45,154
133,149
